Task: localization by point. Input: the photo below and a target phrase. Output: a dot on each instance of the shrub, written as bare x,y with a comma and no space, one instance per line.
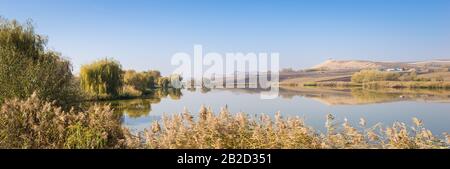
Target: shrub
374,75
141,81
130,92
163,82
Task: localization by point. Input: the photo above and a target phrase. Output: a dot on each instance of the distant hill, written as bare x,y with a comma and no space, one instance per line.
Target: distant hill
432,63
363,64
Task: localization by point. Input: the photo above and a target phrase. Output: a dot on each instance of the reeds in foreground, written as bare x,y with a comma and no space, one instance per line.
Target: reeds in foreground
33,123
239,131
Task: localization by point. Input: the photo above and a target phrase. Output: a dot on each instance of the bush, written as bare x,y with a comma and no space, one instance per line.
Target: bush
33,123
27,66
130,92
163,82
374,75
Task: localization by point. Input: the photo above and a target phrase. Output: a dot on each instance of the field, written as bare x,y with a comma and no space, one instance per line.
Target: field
444,75
341,78
299,78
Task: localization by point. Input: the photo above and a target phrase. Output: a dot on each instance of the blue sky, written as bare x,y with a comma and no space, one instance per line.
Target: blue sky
145,34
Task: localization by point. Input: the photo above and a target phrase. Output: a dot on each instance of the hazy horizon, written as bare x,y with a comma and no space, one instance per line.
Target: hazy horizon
144,35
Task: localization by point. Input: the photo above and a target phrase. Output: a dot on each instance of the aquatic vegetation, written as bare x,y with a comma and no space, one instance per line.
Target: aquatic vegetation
33,123
239,131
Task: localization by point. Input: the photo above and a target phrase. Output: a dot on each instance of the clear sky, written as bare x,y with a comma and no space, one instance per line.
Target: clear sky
145,34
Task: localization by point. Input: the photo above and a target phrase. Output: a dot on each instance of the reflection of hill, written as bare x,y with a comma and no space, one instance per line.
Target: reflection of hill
362,96
353,96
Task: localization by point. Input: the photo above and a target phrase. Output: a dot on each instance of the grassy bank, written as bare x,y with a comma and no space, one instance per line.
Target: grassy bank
33,123
330,84
407,84
377,84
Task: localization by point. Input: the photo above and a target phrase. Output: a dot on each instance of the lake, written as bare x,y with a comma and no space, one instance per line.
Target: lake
313,104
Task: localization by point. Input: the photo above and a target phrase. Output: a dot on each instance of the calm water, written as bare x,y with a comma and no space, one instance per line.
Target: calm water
313,104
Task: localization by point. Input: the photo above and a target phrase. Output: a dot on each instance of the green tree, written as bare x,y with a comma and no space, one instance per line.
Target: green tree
139,80
374,75
102,78
164,82
154,76
27,66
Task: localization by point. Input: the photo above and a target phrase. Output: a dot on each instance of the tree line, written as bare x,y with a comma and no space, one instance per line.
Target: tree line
28,66
106,79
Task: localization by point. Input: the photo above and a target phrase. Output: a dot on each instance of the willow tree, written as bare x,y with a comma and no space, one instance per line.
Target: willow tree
153,76
140,81
27,66
163,82
101,78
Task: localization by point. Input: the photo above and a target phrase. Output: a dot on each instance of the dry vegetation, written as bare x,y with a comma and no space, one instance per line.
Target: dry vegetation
33,123
240,131
373,79
444,75
410,84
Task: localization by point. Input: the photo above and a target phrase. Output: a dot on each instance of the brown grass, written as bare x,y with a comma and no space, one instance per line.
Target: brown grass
239,131
409,84
33,123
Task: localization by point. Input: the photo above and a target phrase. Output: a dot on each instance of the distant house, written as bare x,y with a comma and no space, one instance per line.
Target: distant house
395,70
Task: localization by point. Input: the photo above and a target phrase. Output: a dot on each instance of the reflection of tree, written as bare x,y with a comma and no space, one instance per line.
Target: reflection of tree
191,89
368,96
205,90
134,108
164,92
175,94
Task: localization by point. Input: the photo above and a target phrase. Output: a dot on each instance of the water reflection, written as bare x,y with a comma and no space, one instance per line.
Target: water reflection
357,96
384,106
136,108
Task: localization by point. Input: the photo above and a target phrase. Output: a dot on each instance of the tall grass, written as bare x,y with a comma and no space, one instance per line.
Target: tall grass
225,130
33,123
